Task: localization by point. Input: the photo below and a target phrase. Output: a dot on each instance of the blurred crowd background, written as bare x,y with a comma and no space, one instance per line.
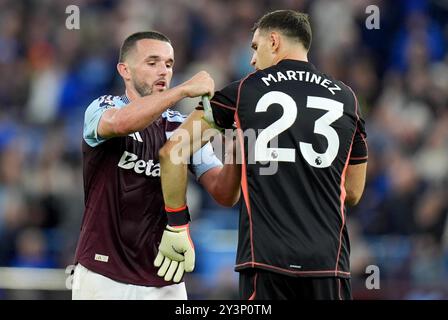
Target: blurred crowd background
49,75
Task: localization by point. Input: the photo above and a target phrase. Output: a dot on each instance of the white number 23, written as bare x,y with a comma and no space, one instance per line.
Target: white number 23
321,126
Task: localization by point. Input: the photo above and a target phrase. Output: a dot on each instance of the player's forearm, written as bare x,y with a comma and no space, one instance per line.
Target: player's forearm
173,157
141,112
174,181
226,190
355,179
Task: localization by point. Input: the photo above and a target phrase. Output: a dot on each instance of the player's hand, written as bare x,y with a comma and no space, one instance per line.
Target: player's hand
198,85
176,253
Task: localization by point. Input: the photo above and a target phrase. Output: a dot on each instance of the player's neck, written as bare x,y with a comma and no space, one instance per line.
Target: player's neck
131,94
292,55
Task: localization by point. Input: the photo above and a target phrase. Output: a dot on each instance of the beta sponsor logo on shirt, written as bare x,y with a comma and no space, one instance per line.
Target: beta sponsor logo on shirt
130,161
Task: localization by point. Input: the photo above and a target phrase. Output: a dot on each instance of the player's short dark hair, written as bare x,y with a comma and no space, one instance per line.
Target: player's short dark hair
293,24
130,41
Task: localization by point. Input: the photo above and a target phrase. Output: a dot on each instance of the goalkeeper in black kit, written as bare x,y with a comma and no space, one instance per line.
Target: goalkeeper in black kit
293,240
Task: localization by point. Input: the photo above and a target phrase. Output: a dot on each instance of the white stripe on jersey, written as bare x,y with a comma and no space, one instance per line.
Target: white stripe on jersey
168,134
136,136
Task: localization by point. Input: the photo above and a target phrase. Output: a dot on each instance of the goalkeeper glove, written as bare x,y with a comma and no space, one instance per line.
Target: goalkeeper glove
176,250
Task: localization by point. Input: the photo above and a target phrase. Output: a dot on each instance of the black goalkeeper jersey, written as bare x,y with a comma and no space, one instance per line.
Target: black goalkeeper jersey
301,130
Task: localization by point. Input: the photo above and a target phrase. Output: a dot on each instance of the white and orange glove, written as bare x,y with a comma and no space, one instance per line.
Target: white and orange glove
176,250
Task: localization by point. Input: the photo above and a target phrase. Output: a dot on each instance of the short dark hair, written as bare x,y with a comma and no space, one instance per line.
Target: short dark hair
293,24
130,41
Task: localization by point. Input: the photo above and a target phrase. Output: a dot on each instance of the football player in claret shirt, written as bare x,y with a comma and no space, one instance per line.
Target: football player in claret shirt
293,241
125,216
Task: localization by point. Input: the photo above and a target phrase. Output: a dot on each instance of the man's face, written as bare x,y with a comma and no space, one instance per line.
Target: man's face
151,65
263,57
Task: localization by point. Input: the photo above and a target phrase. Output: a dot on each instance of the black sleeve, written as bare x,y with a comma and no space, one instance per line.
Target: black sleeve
223,105
359,152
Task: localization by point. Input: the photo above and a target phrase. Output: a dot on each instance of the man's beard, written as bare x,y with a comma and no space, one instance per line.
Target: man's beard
142,88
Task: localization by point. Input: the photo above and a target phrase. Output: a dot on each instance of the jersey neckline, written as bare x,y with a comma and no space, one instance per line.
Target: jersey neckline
302,63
